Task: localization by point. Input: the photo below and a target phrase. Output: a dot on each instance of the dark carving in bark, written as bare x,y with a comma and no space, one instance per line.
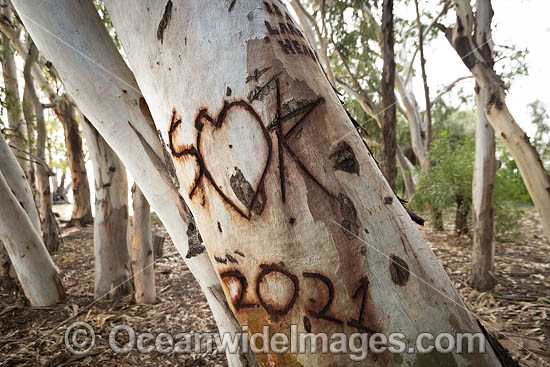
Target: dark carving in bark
165,21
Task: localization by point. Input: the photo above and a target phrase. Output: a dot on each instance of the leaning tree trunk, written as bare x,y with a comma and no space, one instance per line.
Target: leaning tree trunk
108,96
35,269
82,206
112,260
15,178
143,260
259,157
50,230
463,38
389,118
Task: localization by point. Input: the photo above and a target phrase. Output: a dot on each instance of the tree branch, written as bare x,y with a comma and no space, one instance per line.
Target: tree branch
449,87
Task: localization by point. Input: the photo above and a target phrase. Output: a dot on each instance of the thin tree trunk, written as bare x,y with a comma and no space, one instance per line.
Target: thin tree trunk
389,119
35,269
290,223
12,96
82,206
463,39
50,230
15,178
407,171
485,168
461,215
137,142
143,260
428,112
112,259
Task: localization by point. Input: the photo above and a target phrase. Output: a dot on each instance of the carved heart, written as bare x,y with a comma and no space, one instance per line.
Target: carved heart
233,152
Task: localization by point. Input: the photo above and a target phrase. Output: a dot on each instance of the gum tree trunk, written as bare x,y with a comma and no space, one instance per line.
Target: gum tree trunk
463,38
35,269
50,230
82,206
389,118
109,96
15,179
143,260
298,219
12,96
485,169
112,259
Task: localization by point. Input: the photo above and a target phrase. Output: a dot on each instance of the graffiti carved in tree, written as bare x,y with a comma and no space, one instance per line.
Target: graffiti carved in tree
251,195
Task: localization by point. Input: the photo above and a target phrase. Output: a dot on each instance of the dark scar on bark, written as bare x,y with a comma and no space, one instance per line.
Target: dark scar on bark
144,108
349,213
399,270
194,151
220,260
344,159
231,259
165,21
259,92
274,268
307,324
246,194
231,5
195,241
323,313
239,304
257,74
239,253
358,323
220,227
280,144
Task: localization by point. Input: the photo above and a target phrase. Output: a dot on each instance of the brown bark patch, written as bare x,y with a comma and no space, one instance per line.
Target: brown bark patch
344,159
399,270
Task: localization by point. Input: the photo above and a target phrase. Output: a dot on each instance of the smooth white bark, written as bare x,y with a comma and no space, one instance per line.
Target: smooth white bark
97,78
142,249
16,180
112,259
35,269
326,226
462,38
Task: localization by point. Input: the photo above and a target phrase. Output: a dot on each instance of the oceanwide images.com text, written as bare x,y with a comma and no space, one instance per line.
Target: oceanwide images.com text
80,339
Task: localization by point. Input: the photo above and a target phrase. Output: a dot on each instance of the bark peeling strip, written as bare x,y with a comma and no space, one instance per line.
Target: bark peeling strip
165,21
399,270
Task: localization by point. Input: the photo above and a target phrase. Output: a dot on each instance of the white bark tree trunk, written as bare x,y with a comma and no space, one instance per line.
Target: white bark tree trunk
104,88
142,249
35,269
485,169
255,157
15,178
12,96
50,230
463,38
112,259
